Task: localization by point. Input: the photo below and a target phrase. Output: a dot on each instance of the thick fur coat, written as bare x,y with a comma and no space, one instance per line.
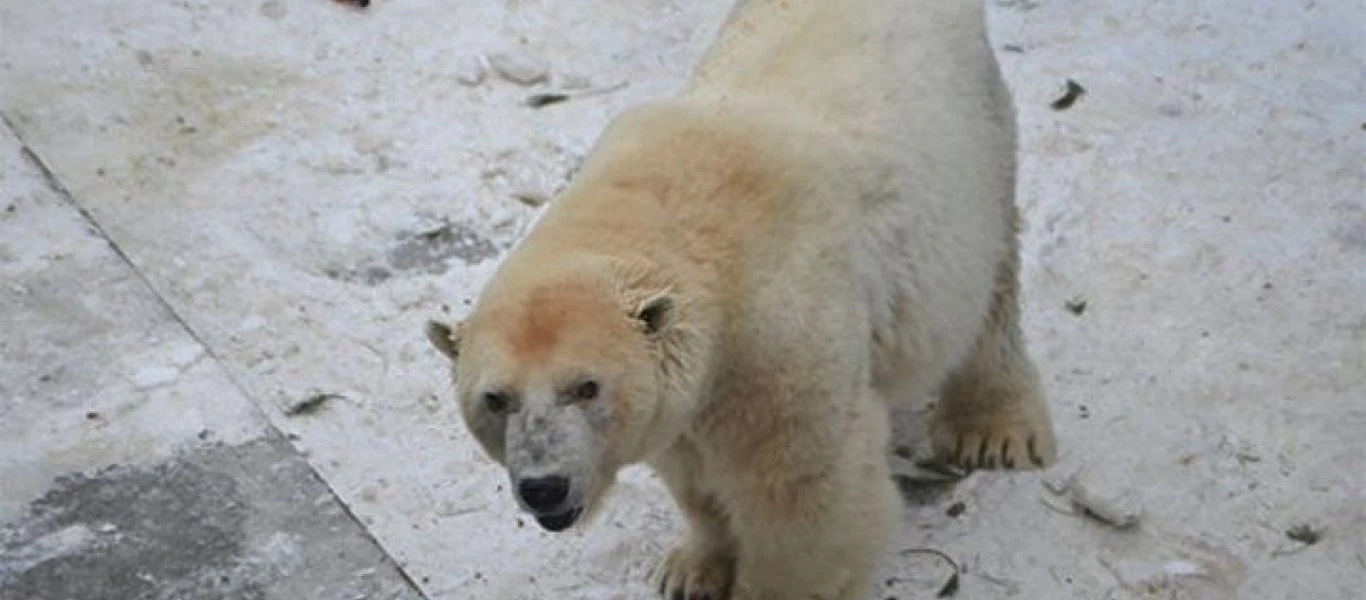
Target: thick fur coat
743,277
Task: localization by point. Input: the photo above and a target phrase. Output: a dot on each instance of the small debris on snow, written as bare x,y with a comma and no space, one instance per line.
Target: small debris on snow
1076,305
150,377
949,588
311,403
531,198
950,585
1116,509
1069,96
1062,510
956,509
1305,533
519,68
1059,482
540,100
548,98
470,70
1119,510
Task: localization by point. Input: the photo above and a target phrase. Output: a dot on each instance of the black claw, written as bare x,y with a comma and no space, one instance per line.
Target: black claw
678,595
957,451
663,584
982,456
940,466
1033,453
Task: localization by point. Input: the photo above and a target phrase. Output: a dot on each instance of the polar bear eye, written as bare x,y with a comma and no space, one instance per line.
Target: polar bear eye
496,401
586,390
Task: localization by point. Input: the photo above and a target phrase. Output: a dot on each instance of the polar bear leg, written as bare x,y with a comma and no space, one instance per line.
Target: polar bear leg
992,412
819,535
702,565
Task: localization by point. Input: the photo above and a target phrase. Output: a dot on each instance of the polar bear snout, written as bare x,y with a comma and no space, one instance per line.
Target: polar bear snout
551,499
552,458
543,494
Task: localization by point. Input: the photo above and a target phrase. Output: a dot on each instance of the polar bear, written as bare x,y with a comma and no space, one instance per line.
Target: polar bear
744,278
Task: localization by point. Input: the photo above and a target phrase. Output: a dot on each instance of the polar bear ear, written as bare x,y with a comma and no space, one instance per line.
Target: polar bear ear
445,338
656,313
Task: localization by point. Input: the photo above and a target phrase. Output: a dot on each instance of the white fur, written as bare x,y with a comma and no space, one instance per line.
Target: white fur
828,209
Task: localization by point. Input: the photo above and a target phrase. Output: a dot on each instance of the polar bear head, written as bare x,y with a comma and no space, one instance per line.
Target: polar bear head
564,380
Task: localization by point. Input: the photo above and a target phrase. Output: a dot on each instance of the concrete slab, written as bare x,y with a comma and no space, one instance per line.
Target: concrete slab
131,466
96,371
216,521
306,183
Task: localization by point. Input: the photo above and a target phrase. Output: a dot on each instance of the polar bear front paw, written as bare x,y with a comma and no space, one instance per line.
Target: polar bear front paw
693,571
1010,441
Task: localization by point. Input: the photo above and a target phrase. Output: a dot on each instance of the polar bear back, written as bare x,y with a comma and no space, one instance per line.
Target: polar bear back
925,60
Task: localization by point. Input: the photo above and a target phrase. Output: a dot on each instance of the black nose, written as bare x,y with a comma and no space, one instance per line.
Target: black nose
543,494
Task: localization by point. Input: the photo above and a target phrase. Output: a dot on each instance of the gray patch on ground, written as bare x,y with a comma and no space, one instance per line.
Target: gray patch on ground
923,493
428,253
1350,230
248,522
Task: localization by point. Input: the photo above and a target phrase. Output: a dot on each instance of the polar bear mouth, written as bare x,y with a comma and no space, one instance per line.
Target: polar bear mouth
560,521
